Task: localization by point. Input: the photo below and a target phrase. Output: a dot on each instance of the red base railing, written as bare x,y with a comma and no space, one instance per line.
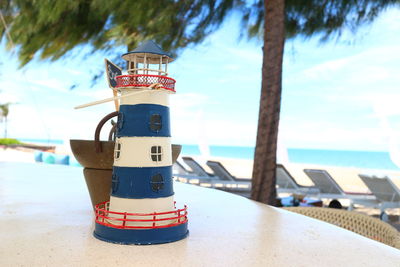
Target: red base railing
121,219
145,80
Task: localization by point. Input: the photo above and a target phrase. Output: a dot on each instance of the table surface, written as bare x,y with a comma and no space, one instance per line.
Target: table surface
47,220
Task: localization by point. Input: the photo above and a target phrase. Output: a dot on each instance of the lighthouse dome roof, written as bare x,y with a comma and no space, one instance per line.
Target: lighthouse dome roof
152,51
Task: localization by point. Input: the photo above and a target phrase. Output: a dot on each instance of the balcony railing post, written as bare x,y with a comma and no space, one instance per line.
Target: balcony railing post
105,212
124,222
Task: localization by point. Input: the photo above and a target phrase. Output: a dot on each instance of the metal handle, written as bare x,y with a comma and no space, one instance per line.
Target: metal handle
97,143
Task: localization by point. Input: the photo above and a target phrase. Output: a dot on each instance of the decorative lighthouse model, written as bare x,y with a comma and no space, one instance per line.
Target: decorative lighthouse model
142,209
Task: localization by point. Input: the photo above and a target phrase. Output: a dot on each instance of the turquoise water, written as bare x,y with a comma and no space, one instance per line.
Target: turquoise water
42,141
342,158
360,159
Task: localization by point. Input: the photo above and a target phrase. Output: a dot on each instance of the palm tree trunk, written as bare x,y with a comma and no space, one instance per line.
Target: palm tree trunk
264,178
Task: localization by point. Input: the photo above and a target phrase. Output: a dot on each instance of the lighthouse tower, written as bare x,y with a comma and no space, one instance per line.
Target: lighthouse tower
142,209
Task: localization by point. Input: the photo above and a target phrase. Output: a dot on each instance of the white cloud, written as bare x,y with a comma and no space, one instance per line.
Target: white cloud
188,101
363,84
75,72
371,65
95,94
193,123
332,136
7,97
220,131
55,123
385,104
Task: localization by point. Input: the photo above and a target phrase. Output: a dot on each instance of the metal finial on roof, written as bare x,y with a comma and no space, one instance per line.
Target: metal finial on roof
148,47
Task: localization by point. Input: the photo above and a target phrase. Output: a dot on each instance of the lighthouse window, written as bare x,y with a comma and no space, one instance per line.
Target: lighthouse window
155,122
117,152
157,182
156,153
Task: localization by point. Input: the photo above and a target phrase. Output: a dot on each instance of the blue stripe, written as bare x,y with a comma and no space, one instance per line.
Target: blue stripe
141,236
135,120
135,182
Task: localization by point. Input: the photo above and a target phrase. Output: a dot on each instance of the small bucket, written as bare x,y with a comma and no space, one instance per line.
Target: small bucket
97,158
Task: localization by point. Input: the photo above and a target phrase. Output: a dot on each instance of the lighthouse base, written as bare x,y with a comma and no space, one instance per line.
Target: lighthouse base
141,236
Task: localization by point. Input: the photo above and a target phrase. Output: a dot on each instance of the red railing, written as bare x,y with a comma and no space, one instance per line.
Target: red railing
112,219
144,80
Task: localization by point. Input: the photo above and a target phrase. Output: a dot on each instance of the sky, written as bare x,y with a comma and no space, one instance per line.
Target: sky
342,94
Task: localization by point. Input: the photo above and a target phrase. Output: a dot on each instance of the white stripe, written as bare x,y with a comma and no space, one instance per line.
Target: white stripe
158,97
146,205
136,151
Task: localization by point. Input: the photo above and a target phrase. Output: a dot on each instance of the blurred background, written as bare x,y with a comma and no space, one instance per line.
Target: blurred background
338,81
339,97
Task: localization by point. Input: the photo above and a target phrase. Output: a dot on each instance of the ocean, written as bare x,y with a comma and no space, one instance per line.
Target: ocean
42,141
340,158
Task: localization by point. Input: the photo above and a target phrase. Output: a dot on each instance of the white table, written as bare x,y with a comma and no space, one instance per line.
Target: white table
47,220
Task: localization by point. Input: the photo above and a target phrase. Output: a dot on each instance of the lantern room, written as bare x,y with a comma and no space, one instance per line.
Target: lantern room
147,66
148,58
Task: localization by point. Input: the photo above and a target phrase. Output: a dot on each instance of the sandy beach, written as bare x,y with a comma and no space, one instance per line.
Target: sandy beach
347,178
16,155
